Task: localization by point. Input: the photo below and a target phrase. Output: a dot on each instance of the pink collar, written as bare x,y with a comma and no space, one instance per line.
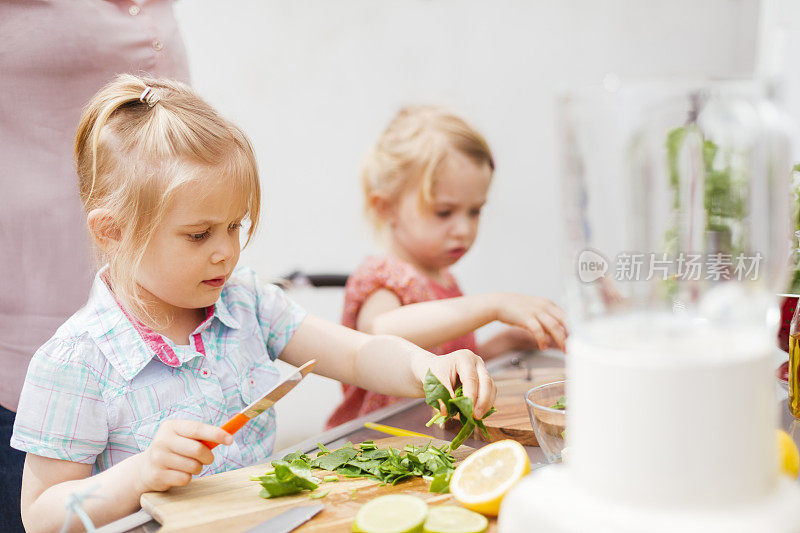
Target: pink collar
155,341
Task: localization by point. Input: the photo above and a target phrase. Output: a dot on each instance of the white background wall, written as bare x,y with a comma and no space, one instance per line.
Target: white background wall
314,82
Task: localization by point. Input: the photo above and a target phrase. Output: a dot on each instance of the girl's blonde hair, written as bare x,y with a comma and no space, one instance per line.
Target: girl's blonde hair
412,151
139,140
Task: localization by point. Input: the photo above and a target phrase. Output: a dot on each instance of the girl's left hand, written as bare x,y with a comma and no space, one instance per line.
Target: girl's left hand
465,367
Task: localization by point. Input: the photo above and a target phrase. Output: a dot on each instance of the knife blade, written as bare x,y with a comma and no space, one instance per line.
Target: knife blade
265,402
287,520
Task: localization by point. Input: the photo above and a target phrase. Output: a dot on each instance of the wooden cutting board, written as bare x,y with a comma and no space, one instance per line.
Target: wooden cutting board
511,421
229,502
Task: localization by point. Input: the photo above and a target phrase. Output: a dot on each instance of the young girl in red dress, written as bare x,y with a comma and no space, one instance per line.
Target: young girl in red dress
425,183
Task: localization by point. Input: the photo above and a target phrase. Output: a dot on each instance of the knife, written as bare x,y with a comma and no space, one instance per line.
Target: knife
287,520
265,402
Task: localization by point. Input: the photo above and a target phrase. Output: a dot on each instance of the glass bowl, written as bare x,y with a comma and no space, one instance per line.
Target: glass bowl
549,424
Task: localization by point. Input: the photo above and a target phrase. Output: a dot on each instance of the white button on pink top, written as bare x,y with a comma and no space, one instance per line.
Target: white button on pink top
134,10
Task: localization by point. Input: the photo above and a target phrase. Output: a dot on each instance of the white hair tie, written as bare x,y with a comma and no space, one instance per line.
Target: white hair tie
149,96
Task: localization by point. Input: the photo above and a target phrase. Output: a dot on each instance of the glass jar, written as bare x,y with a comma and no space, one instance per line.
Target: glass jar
679,224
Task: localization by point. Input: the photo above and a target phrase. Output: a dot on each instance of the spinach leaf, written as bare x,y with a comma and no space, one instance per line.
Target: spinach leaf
464,406
481,425
466,431
434,391
457,405
441,481
287,478
296,473
349,471
272,488
322,449
375,454
561,403
335,459
296,455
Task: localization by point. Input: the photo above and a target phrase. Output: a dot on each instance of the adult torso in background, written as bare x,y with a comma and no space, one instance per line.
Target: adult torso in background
54,55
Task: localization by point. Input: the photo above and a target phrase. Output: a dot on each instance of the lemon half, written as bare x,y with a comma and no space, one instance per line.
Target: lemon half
480,482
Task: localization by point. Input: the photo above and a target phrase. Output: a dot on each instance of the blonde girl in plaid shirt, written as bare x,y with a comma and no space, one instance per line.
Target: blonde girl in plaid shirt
174,339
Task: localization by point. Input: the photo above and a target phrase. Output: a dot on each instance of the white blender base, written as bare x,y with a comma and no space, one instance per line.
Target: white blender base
549,501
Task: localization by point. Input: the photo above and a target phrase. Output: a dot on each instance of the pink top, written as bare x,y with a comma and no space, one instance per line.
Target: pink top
410,286
55,55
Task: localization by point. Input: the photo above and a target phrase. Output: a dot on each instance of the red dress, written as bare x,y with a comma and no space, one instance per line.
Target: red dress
410,286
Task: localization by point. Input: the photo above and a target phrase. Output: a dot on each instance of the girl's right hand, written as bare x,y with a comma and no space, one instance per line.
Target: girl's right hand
176,454
539,316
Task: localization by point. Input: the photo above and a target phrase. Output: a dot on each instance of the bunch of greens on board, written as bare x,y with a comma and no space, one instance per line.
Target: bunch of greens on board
388,466
437,396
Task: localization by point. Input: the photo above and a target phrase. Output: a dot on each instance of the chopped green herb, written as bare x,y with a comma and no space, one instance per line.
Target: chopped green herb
391,466
322,450
561,403
298,455
441,481
287,478
349,471
388,466
258,478
334,459
318,495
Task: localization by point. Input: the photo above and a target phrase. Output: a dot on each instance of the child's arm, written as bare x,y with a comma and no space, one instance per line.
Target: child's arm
170,460
386,364
431,323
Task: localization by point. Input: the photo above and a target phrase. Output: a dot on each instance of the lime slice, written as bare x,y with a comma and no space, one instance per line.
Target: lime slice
452,519
395,513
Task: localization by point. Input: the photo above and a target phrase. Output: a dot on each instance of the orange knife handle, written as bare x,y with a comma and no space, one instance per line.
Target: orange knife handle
231,426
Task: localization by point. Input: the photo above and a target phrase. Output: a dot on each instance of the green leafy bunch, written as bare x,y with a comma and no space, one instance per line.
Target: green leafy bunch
438,397
388,466
292,474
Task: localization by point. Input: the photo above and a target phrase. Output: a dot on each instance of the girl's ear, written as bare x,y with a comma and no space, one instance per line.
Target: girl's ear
104,228
382,207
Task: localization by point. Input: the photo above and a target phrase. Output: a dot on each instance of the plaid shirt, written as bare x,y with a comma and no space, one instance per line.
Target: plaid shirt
98,390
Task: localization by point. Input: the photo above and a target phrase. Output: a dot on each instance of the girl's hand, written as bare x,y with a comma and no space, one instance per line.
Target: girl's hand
468,368
176,454
539,316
